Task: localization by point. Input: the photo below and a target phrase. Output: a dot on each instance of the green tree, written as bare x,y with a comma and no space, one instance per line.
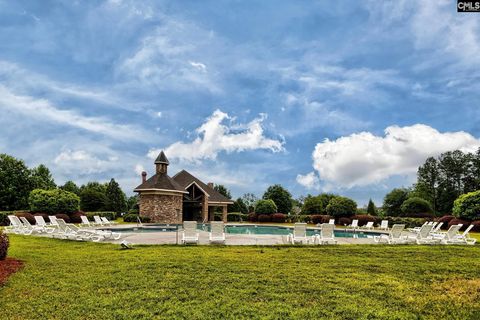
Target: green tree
15,183
415,205
41,178
393,201
116,199
371,209
70,186
239,206
220,188
250,199
132,202
467,206
281,197
265,206
428,179
93,196
313,205
341,207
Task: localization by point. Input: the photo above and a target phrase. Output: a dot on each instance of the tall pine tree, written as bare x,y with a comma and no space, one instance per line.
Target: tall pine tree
116,199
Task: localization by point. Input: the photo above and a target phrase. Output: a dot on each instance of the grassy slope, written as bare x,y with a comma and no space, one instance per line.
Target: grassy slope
64,279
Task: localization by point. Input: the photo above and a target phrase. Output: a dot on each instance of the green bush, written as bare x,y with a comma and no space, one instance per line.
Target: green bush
415,205
4,244
341,207
264,218
363,219
467,206
110,215
134,218
265,207
53,201
4,217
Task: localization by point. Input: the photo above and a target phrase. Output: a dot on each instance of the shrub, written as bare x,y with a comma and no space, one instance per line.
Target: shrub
304,218
467,206
341,207
44,215
235,216
63,216
26,215
76,217
320,218
4,244
455,221
53,201
425,215
264,218
313,205
363,219
476,225
133,211
107,214
134,218
265,207
415,205
4,217
344,221
279,217
252,217
445,220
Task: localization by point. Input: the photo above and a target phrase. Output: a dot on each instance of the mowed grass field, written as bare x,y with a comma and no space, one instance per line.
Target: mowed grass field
72,280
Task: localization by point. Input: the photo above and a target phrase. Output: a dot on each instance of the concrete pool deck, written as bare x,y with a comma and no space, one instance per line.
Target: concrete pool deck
170,237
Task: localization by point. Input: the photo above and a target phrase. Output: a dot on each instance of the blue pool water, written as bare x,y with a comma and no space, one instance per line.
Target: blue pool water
245,229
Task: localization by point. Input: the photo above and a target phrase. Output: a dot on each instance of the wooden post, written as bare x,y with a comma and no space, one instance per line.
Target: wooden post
224,213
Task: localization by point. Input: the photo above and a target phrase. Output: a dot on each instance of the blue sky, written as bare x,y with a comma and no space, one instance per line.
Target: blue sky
346,96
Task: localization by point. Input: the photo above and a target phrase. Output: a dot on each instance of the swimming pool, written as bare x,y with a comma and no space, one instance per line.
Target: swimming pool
250,229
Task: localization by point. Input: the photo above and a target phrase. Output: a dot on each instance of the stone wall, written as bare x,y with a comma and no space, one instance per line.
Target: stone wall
161,208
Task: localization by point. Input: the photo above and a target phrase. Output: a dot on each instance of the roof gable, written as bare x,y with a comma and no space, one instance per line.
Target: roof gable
185,179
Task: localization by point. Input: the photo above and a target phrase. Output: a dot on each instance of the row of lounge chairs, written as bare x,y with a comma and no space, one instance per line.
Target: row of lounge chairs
299,235
368,226
191,234
59,228
427,234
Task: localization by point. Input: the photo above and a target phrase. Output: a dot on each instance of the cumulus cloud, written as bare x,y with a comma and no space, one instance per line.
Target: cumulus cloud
364,158
84,161
309,181
214,136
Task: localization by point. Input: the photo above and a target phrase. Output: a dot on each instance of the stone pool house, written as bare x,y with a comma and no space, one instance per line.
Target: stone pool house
166,199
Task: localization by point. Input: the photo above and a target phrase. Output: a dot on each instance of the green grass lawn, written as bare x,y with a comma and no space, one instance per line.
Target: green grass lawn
72,280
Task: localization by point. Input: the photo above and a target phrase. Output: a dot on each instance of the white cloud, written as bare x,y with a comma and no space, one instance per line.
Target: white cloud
81,160
309,181
213,137
198,65
139,169
364,158
44,110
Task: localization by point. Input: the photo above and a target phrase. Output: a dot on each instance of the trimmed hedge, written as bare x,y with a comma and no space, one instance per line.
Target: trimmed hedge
264,218
134,218
279,217
455,221
425,215
4,217
4,244
252,217
76,217
110,215
344,221
53,201
476,227
408,222
64,217
445,220
320,218
467,206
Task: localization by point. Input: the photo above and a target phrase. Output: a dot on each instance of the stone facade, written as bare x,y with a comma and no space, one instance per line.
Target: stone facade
161,208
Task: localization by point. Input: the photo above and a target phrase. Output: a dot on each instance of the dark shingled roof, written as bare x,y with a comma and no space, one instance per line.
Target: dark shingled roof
160,181
162,158
184,179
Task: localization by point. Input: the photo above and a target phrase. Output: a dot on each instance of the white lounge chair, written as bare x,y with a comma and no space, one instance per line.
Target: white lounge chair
190,232
217,232
98,221
67,232
53,221
331,221
424,236
394,237
450,237
437,228
40,221
384,225
354,224
16,226
368,226
465,236
299,234
417,229
85,222
29,228
327,234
